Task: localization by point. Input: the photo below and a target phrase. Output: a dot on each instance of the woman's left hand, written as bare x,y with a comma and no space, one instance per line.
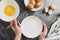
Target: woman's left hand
44,33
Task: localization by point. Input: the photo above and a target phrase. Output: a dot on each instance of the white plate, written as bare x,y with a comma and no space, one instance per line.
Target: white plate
2,6
43,2
31,27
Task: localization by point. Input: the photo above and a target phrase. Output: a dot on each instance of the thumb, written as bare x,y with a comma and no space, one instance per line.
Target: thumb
44,28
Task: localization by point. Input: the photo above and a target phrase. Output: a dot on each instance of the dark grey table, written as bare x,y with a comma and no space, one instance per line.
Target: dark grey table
24,12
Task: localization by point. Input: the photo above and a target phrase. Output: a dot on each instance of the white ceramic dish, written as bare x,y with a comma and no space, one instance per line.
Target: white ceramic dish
43,2
31,27
2,6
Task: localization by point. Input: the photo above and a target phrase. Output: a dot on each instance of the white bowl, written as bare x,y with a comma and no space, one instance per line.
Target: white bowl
43,2
2,6
31,27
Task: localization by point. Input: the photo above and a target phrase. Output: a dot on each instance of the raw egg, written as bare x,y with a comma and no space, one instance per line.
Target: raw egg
9,10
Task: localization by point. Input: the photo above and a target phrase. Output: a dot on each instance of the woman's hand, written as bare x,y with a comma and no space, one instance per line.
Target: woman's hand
44,33
16,28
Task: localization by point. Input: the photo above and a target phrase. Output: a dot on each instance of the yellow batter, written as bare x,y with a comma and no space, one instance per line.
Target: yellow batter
9,10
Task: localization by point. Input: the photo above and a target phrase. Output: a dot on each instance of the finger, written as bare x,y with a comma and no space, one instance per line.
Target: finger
44,23
11,23
15,23
41,37
42,34
12,26
44,29
18,23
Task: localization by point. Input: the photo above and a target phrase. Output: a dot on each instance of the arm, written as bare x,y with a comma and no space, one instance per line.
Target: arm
16,28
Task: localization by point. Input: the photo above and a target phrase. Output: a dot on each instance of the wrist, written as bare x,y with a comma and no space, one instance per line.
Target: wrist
18,34
17,37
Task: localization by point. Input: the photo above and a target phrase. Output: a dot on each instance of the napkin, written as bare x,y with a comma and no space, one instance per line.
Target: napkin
54,33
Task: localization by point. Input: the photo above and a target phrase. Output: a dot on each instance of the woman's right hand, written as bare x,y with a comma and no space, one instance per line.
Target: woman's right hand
16,28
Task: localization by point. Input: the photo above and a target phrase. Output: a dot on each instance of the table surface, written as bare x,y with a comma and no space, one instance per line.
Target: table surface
24,12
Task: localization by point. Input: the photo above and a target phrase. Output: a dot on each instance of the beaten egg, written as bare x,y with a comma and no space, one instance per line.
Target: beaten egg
9,10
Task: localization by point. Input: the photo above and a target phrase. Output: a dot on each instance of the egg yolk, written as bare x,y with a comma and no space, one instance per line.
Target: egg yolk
9,10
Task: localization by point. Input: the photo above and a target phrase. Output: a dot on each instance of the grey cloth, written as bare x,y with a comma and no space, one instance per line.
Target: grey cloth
3,34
